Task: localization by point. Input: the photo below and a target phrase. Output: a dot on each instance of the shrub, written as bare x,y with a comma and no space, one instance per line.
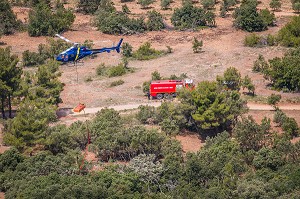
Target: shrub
260,64
208,4
156,75
43,22
165,4
116,83
251,40
101,70
290,127
32,58
191,17
275,4
145,3
88,6
279,117
247,18
145,113
197,45
126,50
271,40
267,17
125,9
8,20
115,71
145,52
288,35
146,87
155,21
273,99
296,7
88,79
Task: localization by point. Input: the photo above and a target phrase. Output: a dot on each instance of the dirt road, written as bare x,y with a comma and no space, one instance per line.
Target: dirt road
251,106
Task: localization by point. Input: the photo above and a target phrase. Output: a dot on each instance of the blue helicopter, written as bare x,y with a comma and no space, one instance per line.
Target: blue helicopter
77,52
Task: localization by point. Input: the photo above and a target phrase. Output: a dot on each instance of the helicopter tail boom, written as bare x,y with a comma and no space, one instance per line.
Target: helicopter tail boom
119,46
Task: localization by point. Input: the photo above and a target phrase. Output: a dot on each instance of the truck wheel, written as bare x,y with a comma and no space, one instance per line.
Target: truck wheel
159,96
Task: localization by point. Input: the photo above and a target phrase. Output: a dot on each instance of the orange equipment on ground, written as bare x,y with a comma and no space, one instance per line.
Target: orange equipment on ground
79,108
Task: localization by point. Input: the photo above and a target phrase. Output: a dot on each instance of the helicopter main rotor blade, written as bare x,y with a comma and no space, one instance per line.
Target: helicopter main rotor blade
63,38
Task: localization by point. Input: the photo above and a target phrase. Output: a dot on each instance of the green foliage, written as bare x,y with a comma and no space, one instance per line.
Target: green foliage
288,35
8,20
10,159
155,75
28,127
116,83
267,17
155,21
146,86
173,117
267,158
214,111
125,9
296,7
271,40
146,114
251,40
10,78
275,5
208,4
247,83
290,127
273,99
231,79
88,6
32,58
252,136
115,71
145,52
42,21
279,117
165,4
197,45
189,16
101,70
284,72
126,50
145,3
260,64
109,21
247,18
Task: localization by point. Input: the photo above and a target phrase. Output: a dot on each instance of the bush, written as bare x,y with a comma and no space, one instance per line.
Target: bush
247,18
88,6
8,20
125,9
279,117
32,58
165,4
208,4
267,17
145,3
290,127
116,83
145,113
284,72
126,50
271,40
191,17
251,40
260,64
275,4
288,35
155,21
197,45
145,52
42,21
115,71
273,99
101,70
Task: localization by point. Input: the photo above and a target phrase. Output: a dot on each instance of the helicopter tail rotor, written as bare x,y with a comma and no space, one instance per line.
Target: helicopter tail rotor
119,46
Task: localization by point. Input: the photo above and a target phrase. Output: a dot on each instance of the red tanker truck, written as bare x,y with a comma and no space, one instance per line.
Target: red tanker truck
163,88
